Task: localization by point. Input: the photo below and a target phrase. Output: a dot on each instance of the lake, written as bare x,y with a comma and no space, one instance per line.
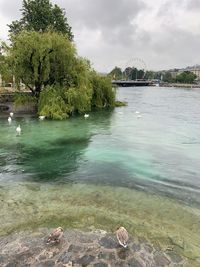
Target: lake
137,166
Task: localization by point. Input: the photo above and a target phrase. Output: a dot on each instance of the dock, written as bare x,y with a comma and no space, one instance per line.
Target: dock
130,83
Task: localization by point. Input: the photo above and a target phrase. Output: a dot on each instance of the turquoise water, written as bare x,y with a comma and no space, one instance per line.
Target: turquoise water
108,170
159,152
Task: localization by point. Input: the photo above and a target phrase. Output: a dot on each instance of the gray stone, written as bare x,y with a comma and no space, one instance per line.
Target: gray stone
86,260
134,263
101,264
136,247
48,263
2,259
86,239
65,257
161,260
148,248
120,264
59,265
108,242
11,264
106,255
73,248
123,253
42,257
174,257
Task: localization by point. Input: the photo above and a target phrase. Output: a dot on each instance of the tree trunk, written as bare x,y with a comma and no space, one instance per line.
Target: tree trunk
38,88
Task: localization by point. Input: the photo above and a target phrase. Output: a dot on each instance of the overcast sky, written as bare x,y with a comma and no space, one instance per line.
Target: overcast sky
163,33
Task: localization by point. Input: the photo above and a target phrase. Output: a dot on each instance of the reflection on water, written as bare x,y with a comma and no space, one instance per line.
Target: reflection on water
107,160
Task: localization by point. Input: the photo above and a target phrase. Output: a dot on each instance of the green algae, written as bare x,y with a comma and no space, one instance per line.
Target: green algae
172,225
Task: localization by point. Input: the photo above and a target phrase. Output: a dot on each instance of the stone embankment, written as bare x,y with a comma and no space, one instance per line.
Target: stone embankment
76,248
7,103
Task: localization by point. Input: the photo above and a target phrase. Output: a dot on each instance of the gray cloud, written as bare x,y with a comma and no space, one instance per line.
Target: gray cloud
164,34
193,5
10,9
113,18
102,13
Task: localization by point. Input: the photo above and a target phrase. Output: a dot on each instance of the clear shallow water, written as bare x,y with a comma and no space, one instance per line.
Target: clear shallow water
112,168
159,152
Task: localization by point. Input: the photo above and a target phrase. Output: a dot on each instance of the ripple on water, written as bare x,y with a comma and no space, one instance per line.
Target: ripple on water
109,170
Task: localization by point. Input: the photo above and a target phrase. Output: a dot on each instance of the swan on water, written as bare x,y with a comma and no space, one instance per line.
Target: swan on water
41,117
9,119
86,115
18,129
137,112
11,114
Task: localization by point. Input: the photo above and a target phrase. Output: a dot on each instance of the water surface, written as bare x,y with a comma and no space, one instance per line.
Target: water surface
112,168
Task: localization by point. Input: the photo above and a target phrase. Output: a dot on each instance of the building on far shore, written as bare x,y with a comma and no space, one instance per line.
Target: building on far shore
193,69
174,73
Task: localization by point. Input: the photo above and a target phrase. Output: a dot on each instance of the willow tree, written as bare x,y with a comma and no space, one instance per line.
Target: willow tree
61,82
74,96
40,59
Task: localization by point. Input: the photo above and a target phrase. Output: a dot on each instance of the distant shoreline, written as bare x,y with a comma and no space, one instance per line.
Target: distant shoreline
180,85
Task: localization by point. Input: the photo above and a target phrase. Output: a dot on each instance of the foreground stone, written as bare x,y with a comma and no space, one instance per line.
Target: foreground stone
97,249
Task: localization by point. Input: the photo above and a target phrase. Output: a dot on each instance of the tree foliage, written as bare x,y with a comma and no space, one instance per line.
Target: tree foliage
5,70
129,73
41,15
60,81
186,77
52,103
132,73
116,73
103,93
58,102
167,77
40,59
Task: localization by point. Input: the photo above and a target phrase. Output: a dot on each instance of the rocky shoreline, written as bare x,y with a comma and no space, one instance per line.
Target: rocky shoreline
96,248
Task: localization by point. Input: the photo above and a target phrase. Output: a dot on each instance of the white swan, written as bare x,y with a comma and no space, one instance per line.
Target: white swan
9,119
18,129
41,117
86,115
137,112
11,114
139,116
